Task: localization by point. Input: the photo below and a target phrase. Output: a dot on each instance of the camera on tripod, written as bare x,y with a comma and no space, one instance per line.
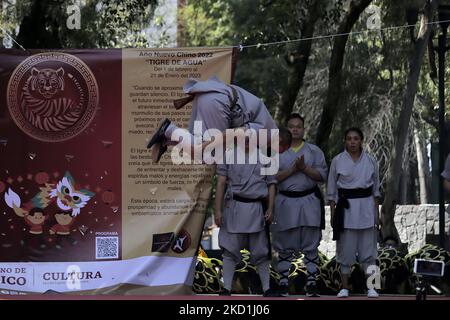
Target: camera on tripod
426,270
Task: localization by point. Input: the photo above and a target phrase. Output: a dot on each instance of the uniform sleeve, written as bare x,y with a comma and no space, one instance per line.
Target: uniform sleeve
332,179
376,179
270,179
213,113
282,159
222,170
262,119
446,173
320,164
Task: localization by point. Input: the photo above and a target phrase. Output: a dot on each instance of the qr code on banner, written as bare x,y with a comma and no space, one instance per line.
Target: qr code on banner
106,247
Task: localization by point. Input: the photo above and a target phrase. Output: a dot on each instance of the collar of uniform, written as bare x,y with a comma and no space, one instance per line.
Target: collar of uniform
350,156
300,147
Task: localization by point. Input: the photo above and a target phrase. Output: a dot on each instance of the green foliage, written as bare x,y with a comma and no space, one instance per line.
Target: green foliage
208,22
104,23
261,70
121,23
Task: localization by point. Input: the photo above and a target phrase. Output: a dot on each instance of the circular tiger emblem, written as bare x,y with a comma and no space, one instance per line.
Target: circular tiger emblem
52,96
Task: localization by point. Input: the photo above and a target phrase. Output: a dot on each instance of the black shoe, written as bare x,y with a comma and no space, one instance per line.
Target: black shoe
225,292
311,290
160,138
161,150
284,290
159,135
272,293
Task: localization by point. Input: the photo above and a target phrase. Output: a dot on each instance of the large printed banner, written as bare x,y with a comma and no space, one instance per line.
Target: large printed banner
83,210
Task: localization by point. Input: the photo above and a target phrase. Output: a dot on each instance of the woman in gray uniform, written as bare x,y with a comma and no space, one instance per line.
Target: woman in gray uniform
354,196
248,205
299,206
217,106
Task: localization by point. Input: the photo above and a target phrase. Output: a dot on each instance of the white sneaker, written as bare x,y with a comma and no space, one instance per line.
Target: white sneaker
343,293
372,293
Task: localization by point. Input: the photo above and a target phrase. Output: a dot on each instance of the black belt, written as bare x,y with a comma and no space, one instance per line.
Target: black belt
247,200
263,201
342,204
301,194
355,193
297,194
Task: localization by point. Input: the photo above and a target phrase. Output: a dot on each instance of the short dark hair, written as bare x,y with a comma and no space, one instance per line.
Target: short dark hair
295,116
285,135
36,210
354,129
63,212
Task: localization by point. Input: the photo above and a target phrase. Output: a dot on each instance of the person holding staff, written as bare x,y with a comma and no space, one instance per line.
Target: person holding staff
354,196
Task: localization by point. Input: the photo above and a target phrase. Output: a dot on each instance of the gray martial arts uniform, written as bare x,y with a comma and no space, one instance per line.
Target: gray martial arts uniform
243,222
297,221
359,236
211,106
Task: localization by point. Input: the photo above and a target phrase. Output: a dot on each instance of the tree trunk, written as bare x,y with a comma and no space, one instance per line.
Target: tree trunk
297,61
39,30
403,187
412,184
422,167
330,107
391,197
